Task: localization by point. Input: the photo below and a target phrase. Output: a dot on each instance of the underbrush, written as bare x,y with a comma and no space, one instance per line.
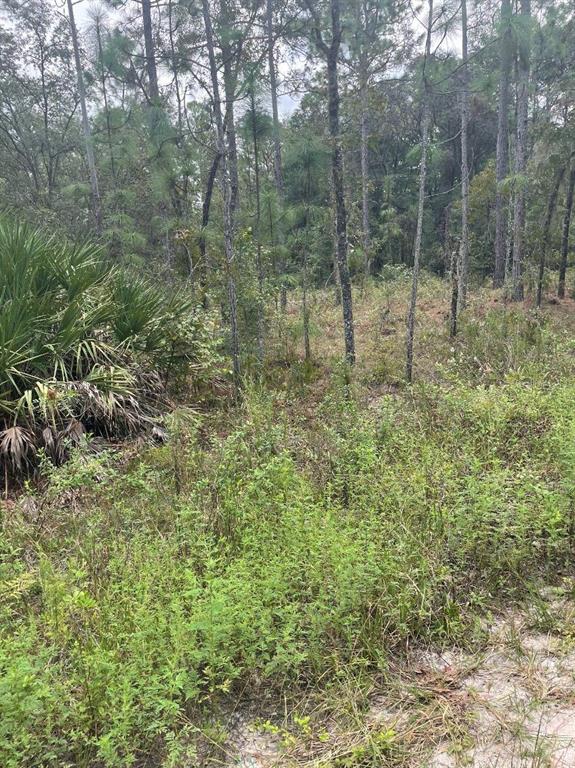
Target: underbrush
135,598
84,347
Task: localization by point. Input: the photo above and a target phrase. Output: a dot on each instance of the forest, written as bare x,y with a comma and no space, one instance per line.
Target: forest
287,359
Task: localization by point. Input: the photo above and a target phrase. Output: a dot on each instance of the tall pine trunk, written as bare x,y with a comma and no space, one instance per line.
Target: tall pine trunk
154,93
502,152
425,127
105,98
365,231
565,233
464,248
227,195
278,170
521,153
206,205
337,176
551,204
95,190
259,264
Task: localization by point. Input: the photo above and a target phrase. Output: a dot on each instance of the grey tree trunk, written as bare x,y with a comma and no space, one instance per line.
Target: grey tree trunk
337,176
521,154
305,308
551,204
259,264
227,195
425,127
278,170
502,154
464,247
565,233
175,70
105,97
154,93
230,81
365,231
206,205
95,190
454,294
278,173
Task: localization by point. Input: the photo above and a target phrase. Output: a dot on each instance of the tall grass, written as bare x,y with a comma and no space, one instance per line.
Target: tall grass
283,556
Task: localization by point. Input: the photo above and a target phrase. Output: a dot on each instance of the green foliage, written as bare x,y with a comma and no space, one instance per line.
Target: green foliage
83,346
280,556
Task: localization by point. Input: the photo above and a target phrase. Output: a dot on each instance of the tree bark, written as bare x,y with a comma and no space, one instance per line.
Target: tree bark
551,204
464,247
105,97
206,205
227,195
230,81
338,186
154,93
454,294
278,170
175,70
521,154
259,264
96,206
565,233
365,231
425,127
305,307
502,152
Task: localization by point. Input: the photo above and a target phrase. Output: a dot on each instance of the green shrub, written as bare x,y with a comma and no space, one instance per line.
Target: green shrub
83,346
284,556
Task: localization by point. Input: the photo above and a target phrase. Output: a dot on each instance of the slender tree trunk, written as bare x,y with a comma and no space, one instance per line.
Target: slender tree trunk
425,127
454,294
154,93
464,248
206,214
521,154
278,170
565,233
175,70
226,188
551,204
502,154
365,232
230,120
305,308
338,186
105,97
259,264
96,207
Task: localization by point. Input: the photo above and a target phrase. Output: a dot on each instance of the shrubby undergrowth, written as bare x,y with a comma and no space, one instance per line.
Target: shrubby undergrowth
285,553
84,347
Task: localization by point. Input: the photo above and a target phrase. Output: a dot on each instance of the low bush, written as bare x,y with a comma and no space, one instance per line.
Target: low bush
279,558
83,347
